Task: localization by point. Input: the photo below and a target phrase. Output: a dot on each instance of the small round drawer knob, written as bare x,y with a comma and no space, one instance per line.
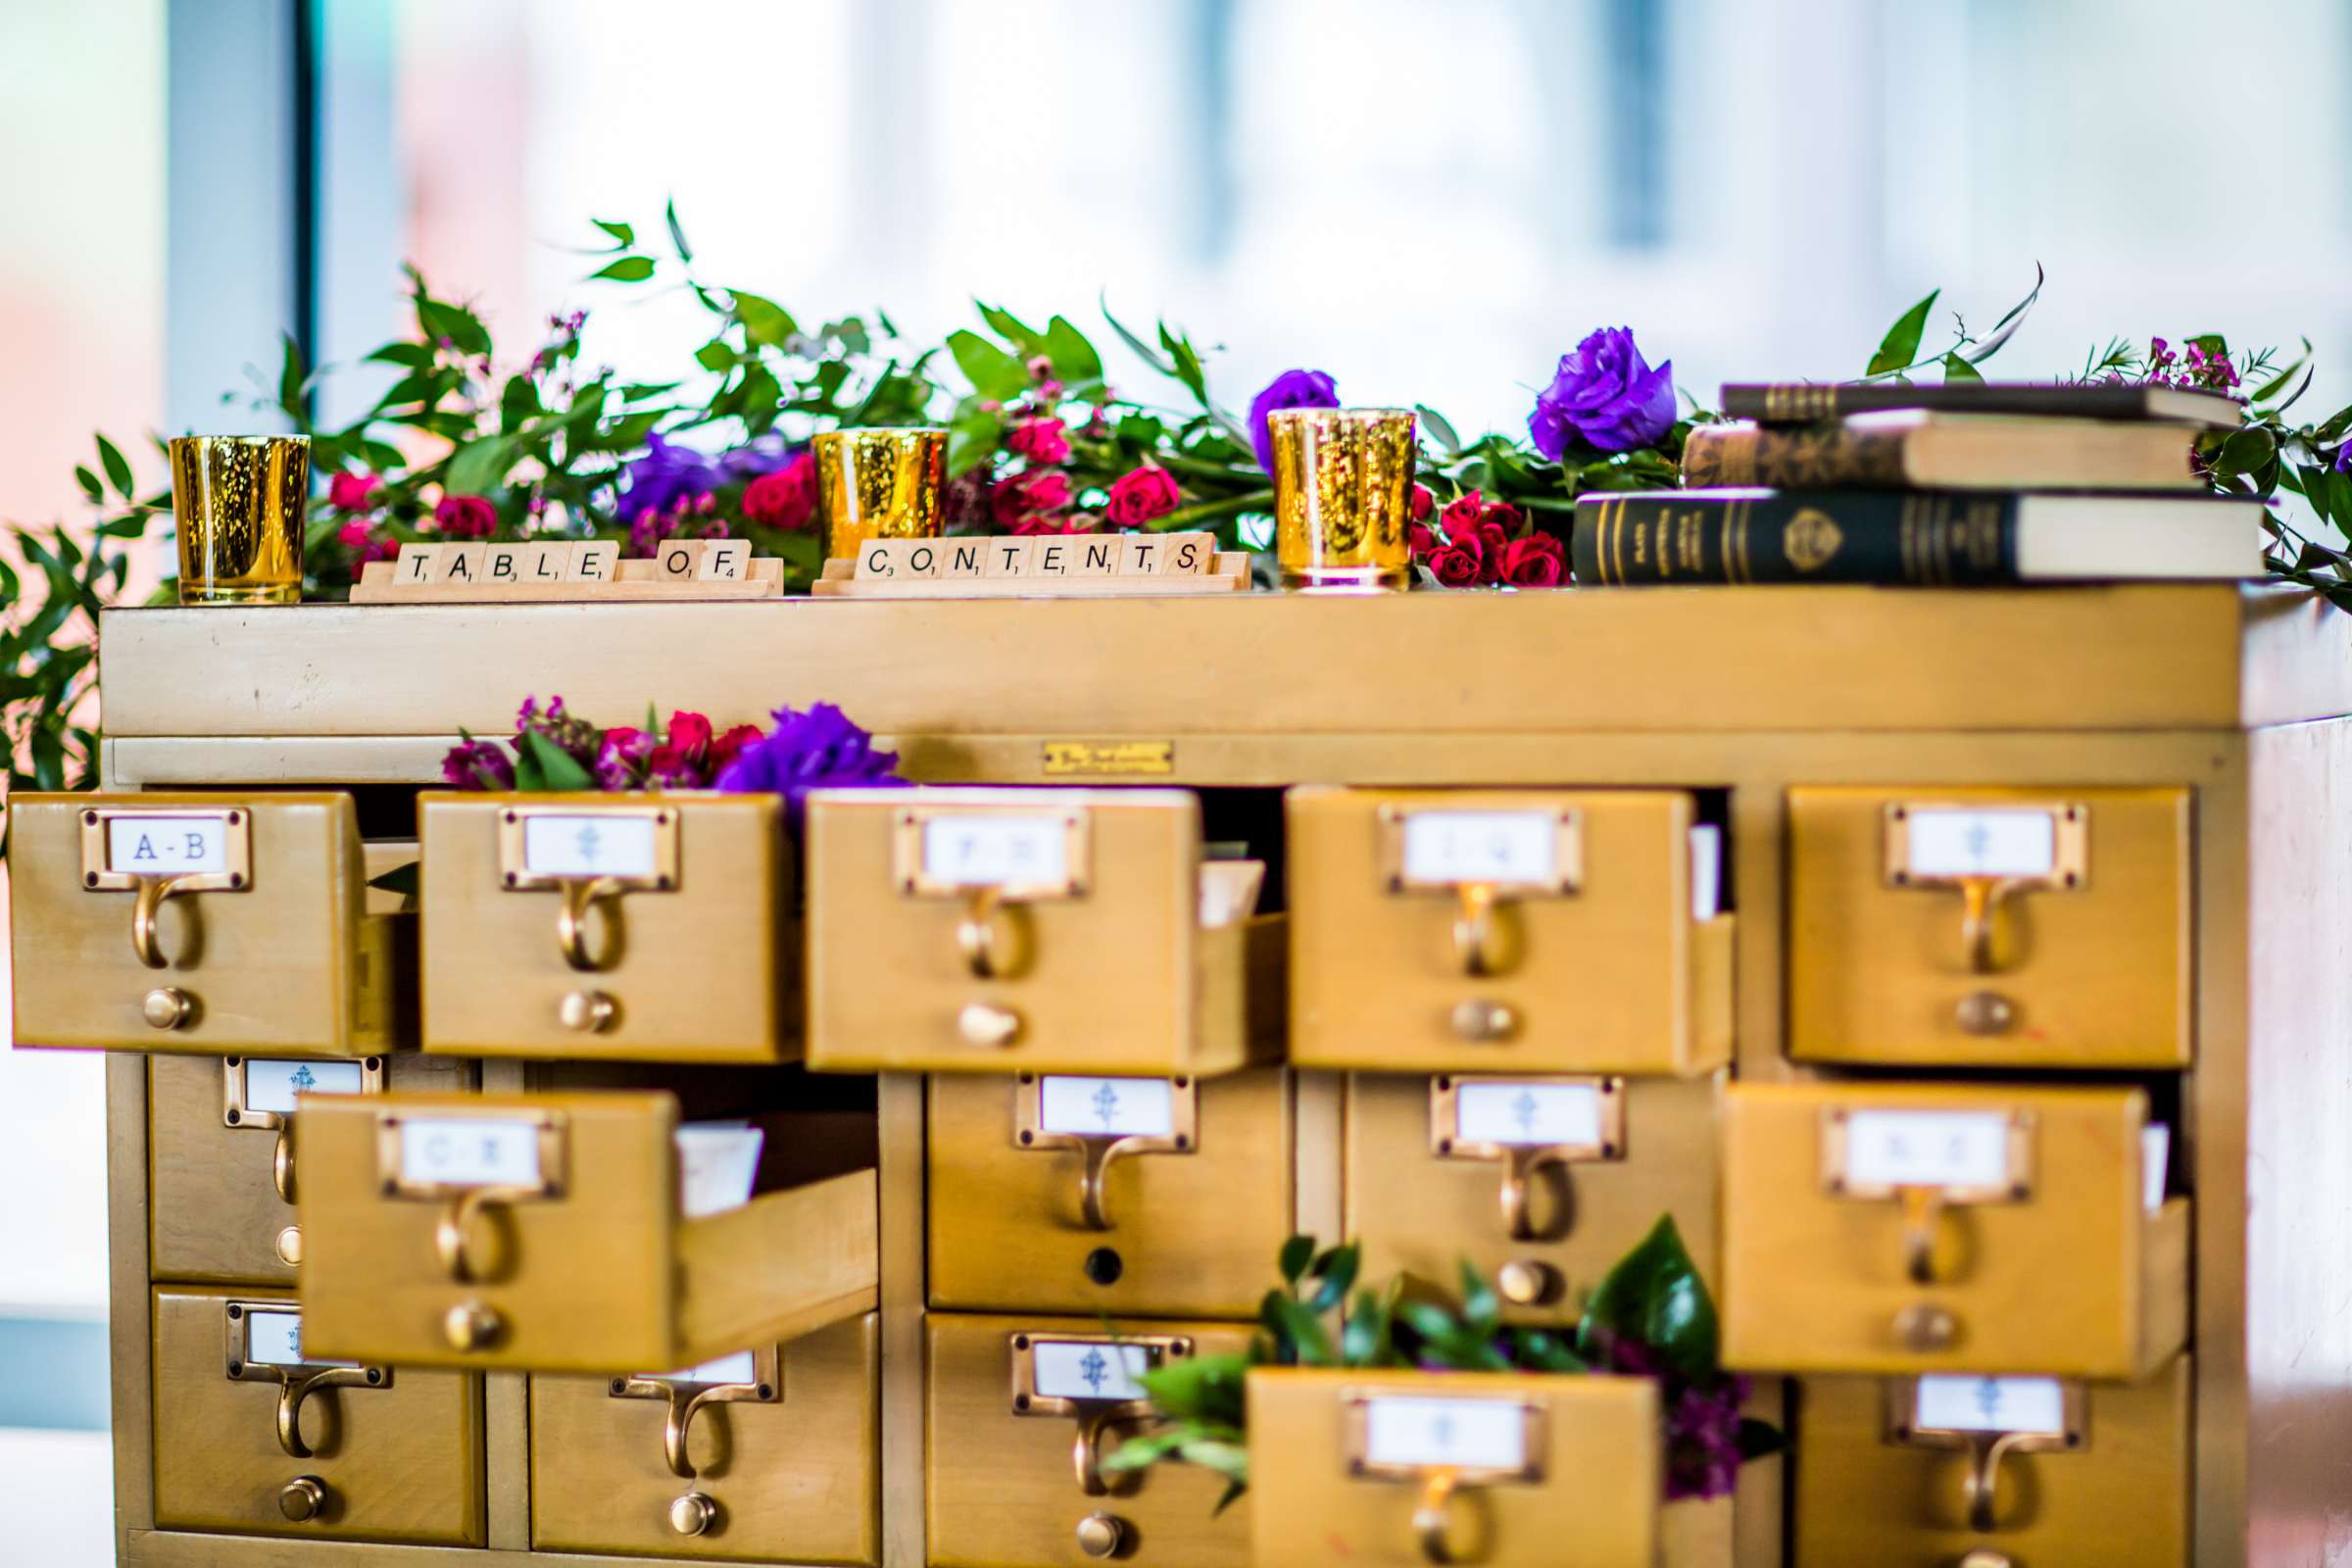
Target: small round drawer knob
302,1498
1985,1013
169,1008
470,1326
1923,1327
1528,1282
289,1245
1484,1022
693,1514
1987,1557
1102,1534
988,1025
587,1012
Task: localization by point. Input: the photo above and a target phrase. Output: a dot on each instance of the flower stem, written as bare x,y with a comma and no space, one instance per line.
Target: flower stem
1211,511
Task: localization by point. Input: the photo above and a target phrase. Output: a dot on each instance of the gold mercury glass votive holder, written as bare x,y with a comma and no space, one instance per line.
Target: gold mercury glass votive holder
879,484
240,501
1342,496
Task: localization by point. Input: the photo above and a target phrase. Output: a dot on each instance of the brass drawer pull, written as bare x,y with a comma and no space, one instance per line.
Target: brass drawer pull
303,1499
990,936
1980,900
1434,1516
449,1231
1922,1215
1477,944
153,891
295,1375
685,1397
281,1162
581,895
1086,1453
1523,1161
295,1388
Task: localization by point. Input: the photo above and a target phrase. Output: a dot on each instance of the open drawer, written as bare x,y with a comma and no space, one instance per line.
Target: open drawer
545,1231
205,925
1038,930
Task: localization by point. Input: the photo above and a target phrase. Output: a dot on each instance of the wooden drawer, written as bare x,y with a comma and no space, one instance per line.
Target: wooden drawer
1502,931
1191,1182
1504,1469
1005,930
203,924
223,1172
778,1460
576,926
1945,1228
1003,1484
2092,1473
1989,927
255,1435
1540,1183
543,1233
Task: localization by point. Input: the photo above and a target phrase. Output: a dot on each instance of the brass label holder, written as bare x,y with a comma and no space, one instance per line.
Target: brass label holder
1000,861
1440,1482
1522,1160
233,872
1481,891
577,878
687,1397
463,1199
238,1111
1096,1149
1923,1202
1986,874
1095,1416
1988,1444
296,1380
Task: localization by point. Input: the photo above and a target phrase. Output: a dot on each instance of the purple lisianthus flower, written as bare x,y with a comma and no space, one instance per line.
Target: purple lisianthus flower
1291,389
813,750
1605,395
2343,457
477,765
656,480
1703,1440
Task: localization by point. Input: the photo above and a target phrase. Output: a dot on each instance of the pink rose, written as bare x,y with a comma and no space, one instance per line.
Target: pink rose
1421,541
1037,523
785,499
348,492
1458,565
1142,494
465,517
1533,562
1040,440
1423,503
1039,490
353,534
1460,518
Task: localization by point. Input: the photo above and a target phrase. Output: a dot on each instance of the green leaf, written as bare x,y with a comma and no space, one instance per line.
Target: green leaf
118,471
460,326
1335,1276
627,235
628,270
479,467
972,438
2006,327
1654,1295
993,372
414,354
2278,384
716,355
1229,1496
1900,348
2213,343
1294,1258
1152,355
290,381
765,321
1365,1336
1296,1328
1482,1310
1186,363
1957,372
1074,357
1026,340
406,880
678,235
556,767
2246,451
88,481
1759,1440
1439,428
1198,1388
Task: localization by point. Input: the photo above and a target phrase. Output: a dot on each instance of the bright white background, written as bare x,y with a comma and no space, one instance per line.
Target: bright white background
1432,199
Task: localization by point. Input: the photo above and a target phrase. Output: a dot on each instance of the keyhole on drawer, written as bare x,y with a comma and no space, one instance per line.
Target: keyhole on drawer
1103,1265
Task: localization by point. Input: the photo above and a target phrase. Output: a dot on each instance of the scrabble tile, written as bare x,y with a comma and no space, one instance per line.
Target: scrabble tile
1142,554
416,564
963,557
1190,553
1097,554
676,561
461,564
725,561
874,559
545,564
1052,555
916,558
502,565
1006,558
594,560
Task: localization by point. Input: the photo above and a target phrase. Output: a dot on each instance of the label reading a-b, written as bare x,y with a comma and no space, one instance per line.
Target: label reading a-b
167,846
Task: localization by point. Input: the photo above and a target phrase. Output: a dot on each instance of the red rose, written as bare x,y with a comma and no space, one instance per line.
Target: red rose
348,492
1142,494
1421,541
1037,523
724,749
690,733
1492,541
785,499
1503,514
1040,441
465,517
1039,490
1460,518
1534,562
353,534
1423,501
1457,565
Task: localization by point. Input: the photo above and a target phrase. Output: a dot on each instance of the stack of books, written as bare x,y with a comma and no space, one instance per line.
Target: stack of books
1931,486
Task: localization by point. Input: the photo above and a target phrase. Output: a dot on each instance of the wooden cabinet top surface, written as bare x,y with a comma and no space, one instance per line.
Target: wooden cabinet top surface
2132,657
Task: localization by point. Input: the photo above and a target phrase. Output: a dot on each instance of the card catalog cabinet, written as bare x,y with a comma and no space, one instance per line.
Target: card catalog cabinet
1989,927
202,924
1405,1468
542,1232
1020,1412
773,1456
1947,1228
1061,1194
588,927
225,1169
1064,931
262,1435
1502,931
1540,1182
1993,1472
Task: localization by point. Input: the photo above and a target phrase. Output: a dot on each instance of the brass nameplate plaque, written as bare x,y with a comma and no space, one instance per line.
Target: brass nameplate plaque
1109,758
